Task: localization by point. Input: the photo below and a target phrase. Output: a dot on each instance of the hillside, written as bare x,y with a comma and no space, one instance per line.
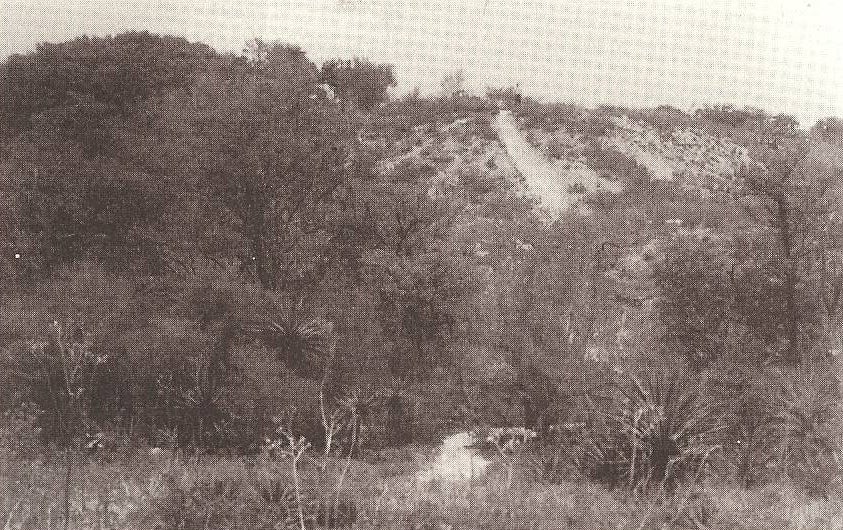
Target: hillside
682,152
243,290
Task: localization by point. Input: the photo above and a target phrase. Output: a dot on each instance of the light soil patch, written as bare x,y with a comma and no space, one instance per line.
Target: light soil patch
552,181
456,461
696,158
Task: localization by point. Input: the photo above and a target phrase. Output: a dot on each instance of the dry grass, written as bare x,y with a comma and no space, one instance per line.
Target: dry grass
140,491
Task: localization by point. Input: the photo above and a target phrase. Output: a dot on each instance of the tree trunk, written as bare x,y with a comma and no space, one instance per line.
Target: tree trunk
531,413
261,266
396,430
68,475
793,355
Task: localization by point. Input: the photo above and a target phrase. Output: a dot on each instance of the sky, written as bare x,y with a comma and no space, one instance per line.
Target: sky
780,55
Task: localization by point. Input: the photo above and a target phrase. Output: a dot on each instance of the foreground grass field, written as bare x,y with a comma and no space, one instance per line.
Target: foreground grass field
153,490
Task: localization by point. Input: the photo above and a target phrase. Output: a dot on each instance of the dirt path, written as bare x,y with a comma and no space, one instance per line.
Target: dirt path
549,180
455,461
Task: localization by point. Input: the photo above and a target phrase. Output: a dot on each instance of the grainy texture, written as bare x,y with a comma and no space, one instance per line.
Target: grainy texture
414,265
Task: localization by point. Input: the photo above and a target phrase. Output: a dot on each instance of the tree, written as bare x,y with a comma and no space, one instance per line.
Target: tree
276,153
785,199
452,83
719,300
69,207
829,130
277,150
790,191
79,85
359,81
403,221
226,171
83,153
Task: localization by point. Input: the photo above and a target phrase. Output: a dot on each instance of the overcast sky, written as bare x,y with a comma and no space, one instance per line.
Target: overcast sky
782,55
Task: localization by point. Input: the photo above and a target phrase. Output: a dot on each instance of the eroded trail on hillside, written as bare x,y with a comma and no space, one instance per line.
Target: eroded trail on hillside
549,180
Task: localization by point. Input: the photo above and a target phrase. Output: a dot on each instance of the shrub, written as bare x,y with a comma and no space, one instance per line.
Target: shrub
653,429
750,441
577,188
808,413
237,497
780,425
19,433
59,375
222,504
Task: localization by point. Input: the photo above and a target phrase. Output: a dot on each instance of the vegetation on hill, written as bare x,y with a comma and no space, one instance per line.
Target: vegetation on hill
252,291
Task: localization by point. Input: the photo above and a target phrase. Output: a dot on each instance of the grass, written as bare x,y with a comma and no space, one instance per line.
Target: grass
137,490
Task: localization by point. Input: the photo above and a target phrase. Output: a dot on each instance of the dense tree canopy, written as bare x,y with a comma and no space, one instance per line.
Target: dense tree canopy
360,81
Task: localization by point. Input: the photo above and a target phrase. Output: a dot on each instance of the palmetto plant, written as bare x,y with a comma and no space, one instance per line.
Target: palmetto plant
652,430
197,408
301,346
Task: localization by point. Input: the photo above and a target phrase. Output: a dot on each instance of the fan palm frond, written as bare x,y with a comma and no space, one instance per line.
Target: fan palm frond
302,347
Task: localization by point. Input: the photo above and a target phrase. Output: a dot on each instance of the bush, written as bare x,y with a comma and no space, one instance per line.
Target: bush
781,427
652,429
222,504
808,413
750,441
577,188
19,433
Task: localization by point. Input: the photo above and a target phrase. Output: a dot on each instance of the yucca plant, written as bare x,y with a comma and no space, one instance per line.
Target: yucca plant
653,429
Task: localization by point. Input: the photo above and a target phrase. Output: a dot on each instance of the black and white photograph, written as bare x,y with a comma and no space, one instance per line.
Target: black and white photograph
421,265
